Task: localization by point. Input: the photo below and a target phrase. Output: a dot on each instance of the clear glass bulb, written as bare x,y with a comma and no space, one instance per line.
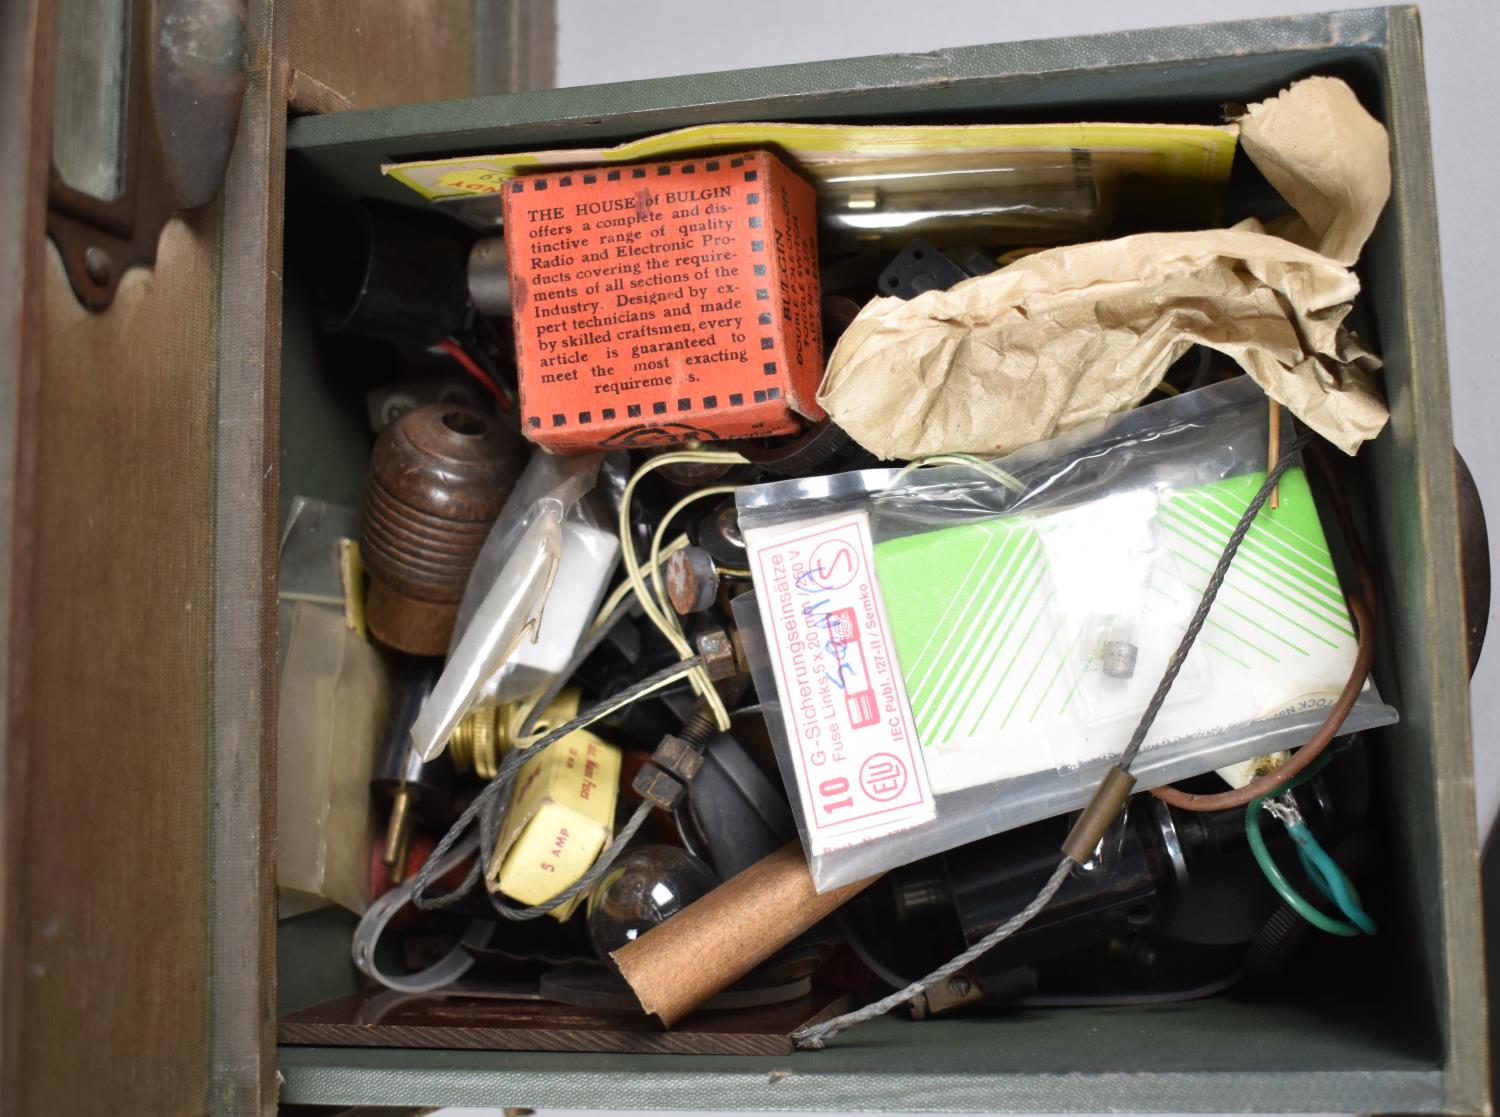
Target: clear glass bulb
643,888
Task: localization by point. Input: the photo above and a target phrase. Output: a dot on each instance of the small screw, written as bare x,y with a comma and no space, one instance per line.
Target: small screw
96,263
959,986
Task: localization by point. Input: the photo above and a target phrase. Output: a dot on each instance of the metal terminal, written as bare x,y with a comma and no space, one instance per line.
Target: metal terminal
717,649
728,523
398,835
486,734
692,580
489,277
679,757
719,534
1285,810
659,788
1119,659
919,897
945,996
1096,819
700,727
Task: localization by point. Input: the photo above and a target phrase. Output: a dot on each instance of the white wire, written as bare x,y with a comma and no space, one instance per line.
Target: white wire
661,531
627,587
993,472
700,680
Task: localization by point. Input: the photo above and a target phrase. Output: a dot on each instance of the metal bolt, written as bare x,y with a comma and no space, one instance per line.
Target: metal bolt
717,649
959,985
97,263
700,727
692,580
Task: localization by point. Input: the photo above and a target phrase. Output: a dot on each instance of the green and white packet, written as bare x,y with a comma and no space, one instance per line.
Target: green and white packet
949,660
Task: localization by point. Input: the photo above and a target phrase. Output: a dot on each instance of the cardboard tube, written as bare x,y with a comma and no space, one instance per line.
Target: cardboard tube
711,944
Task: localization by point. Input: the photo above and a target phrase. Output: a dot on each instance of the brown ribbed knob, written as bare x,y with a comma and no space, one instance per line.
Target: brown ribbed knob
438,478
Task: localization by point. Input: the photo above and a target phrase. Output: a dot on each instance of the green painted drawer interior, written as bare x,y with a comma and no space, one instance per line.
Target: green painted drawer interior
1402,1034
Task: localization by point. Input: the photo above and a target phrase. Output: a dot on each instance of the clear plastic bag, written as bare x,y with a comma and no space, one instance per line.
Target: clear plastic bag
546,531
950,658
335,688
587,552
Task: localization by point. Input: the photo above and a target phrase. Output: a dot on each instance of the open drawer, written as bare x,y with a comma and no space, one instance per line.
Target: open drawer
283,418
1415,1041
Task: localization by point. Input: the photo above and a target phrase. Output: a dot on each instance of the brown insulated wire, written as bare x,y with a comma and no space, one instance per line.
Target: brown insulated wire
1362,607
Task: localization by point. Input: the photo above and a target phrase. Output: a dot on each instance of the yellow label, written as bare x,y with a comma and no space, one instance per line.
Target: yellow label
1184,155
472,180
561,817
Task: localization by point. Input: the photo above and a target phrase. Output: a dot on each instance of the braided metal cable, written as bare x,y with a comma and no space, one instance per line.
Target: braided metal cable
814,1036
1210,592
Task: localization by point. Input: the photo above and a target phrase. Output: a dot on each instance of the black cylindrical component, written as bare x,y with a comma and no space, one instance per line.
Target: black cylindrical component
992,879
397,762
741,815
392,277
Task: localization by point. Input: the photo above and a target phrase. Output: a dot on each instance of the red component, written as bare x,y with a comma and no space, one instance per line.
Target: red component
845,646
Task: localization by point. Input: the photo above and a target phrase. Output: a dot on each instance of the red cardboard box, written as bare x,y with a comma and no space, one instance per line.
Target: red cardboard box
664,302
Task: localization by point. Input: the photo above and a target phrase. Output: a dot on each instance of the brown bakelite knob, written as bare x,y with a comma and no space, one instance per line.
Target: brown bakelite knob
438,478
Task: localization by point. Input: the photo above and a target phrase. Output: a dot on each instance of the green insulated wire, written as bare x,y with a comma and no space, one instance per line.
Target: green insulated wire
1321,869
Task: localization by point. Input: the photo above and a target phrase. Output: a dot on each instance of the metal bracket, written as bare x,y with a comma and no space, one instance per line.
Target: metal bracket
183,88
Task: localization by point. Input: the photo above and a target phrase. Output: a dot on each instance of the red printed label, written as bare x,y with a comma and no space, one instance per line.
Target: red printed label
859,765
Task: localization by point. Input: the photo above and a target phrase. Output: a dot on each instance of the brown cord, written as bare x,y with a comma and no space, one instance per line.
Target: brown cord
1224,800
1363,608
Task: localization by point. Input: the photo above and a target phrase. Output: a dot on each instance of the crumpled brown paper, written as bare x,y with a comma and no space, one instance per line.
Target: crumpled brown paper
1076,333
1328,157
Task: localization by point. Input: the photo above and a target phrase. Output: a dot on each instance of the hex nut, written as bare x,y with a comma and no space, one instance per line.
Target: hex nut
658,788
717,649
678,757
